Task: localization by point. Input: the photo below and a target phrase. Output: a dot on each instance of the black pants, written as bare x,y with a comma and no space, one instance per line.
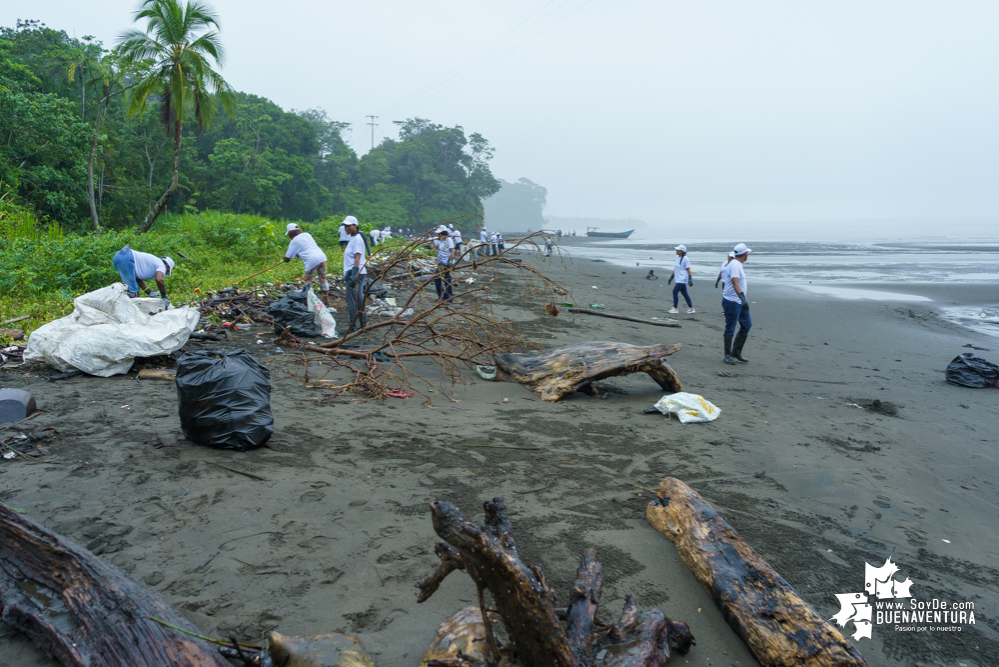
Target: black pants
443,282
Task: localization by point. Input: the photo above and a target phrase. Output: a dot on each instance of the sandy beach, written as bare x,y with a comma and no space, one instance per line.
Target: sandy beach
338,535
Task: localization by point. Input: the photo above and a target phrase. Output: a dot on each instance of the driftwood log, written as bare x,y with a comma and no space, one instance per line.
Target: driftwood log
558,372
526,604
83,611
168,374
614,316
780,628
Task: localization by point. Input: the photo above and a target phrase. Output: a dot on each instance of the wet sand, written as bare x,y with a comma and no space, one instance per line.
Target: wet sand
338,535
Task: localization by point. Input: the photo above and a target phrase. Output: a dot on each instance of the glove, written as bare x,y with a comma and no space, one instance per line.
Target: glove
690,282
716,283
163,294
351,277
670,281
745,302
166,303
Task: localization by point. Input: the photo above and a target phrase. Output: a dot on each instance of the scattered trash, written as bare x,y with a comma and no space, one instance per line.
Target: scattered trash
567,304
506,400
689,408
761,474
399,393
224,399
595,287
292,312
854,405
107,331
651,276
15,405
596,305
486,372
970,370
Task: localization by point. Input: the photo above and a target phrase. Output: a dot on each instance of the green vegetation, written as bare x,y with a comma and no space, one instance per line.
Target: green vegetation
98,142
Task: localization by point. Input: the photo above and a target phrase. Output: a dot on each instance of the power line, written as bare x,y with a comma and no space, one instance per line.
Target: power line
373,125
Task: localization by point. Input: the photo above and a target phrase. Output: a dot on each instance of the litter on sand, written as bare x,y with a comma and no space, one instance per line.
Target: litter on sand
970,370
107,331
689,408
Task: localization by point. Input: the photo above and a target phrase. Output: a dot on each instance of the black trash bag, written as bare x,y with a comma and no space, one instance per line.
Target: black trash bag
225,399
292,312
970,370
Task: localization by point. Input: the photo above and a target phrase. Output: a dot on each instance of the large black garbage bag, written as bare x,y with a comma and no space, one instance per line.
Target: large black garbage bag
970,370
225,399
292,312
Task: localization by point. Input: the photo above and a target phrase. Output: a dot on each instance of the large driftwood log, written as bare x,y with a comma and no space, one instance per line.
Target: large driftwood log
561,371
525,604
83,611
780,628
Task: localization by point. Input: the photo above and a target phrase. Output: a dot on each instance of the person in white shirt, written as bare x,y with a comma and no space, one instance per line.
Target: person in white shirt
683,278
355,275
494,244
721,272
304,246
136,267
548,247
483,248
502,247
344,236
444,245
376,236
456,236
736,306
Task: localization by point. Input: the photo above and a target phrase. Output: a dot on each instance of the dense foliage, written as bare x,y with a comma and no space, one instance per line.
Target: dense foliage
59,96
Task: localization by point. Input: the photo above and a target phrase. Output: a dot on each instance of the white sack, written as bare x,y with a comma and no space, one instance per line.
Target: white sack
107,331
325,321
689,408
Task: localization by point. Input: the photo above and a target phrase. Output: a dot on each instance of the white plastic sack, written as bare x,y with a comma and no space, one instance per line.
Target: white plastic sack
689,408
106,332
325,321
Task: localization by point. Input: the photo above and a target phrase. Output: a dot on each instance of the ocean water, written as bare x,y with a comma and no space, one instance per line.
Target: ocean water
883,271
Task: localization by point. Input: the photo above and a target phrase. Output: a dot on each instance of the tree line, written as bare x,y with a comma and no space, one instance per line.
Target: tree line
95,137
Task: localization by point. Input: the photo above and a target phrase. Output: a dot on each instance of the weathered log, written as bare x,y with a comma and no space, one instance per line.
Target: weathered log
169,374
525,604
780,628
83,611
558,372
614,316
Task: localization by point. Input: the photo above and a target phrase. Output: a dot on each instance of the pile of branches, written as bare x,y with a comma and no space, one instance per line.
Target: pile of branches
235,305
424,347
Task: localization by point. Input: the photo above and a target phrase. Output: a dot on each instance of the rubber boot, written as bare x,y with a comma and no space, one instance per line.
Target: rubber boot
740,340
728,351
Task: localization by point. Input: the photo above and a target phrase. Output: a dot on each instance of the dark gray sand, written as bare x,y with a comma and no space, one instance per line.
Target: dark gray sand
338,535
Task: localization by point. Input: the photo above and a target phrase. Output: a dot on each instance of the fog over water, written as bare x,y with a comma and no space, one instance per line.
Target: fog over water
776,120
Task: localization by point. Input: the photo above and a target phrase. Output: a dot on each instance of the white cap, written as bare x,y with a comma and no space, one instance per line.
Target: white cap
741,249
443,230
451,225
291,228
731,255
350,220
681,247
170,263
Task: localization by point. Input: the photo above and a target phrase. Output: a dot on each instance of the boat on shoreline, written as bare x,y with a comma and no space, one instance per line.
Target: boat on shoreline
592,231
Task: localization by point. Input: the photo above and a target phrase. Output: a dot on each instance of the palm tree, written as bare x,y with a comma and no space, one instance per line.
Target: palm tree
176,46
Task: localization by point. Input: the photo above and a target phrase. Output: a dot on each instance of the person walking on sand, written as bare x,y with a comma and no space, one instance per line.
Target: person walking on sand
444,245
456,236
721,272
355,275
683,278
304,246
736,306
548,247
136,267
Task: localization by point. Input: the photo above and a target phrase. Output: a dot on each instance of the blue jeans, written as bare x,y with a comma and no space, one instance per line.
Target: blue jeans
681,288
124,261
735,312
443,282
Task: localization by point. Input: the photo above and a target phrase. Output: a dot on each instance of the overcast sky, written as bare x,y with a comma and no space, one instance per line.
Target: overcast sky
672,112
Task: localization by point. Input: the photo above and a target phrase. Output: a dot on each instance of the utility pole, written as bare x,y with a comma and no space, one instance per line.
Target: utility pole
373,125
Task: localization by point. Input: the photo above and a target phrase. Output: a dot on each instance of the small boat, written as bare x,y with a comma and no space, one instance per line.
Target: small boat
592,231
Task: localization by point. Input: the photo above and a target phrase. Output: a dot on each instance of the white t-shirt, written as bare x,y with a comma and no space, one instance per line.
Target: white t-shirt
344,236
724,268
494,238
483,237
456,235
305,246
680,266
355,246
444,247
733,270
147,265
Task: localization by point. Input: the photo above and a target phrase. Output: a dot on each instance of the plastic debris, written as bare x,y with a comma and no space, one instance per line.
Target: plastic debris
292,312
689,408
970,370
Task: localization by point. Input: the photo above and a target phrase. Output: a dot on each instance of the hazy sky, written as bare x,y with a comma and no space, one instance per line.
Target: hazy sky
673,112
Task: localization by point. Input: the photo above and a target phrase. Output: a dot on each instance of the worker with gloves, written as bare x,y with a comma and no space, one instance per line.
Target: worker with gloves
683,278
444,245
303,245
736,306
136,267
721,272
355,275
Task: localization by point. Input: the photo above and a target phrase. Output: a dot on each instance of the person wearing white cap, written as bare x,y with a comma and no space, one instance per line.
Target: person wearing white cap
483,248
344,236
736,306
456,236
683,278
721,272
445,257
303,245
136,267
355,275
